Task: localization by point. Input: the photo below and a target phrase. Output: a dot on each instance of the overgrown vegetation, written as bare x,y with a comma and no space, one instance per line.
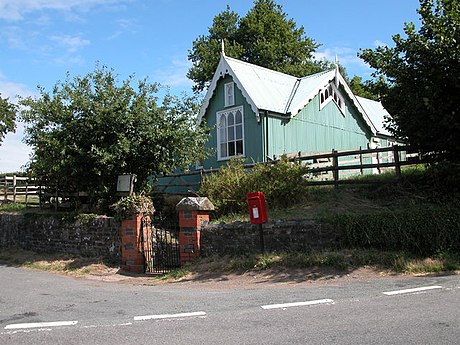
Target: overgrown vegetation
282,184
134,204
418,214
419,230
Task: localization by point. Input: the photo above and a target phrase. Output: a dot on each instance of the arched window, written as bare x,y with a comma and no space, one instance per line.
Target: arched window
230,133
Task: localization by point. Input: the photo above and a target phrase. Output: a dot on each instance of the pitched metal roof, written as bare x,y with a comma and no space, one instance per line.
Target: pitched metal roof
377,114
276,92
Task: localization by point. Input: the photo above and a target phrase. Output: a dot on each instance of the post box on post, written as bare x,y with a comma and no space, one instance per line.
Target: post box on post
258,213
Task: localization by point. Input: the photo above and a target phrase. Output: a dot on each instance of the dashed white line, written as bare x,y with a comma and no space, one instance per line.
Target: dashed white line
169,316
296,304
419,289
41,324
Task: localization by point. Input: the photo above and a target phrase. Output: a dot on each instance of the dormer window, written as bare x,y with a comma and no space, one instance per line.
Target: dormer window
229,94
331,93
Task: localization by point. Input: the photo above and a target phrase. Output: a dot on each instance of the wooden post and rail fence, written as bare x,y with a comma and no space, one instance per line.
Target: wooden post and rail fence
19,189
328,168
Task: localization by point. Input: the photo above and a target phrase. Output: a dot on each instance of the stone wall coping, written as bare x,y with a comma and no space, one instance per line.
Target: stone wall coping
195,204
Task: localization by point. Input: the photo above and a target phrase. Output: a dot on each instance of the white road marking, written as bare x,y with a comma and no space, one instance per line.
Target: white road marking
296,304
168,316
41,324
399,292
112,325
26,331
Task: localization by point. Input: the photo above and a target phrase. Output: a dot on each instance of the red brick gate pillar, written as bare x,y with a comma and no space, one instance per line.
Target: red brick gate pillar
135,243
193,214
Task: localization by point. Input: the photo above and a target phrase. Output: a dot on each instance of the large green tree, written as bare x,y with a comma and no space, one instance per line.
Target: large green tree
421,74
265,36
90,129
7,117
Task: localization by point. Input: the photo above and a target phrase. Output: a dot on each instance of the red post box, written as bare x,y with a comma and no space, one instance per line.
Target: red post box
257,208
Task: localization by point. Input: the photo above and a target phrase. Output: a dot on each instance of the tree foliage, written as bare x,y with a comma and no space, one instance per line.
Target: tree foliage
90,129
265,36
7,117
422,79
364,89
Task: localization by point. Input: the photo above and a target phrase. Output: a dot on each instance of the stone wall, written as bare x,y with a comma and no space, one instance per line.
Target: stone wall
243,238
98,236
101,236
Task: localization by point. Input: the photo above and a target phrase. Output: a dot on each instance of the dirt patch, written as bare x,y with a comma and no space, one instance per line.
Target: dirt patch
245,280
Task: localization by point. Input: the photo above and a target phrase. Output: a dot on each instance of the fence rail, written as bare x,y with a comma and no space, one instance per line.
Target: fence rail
19,189
328,168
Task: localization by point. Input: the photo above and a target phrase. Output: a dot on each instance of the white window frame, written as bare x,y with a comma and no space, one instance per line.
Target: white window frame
333,94
229,94
226,113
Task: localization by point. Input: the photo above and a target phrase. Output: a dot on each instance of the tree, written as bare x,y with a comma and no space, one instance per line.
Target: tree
264,36
422,79
364,89
7,117
90,129
206,49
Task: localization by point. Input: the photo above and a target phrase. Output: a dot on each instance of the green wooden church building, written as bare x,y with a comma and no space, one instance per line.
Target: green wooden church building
257,113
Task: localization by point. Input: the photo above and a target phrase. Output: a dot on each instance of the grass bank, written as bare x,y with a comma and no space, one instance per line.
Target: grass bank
319,262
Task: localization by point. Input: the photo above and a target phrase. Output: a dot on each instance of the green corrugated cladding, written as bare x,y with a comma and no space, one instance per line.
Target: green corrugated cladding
315,130
253,139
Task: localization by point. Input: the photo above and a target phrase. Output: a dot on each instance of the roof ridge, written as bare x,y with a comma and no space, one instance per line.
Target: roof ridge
259,67
317,74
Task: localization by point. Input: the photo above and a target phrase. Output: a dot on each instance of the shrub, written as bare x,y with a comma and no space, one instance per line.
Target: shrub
282,183
422,231
134,204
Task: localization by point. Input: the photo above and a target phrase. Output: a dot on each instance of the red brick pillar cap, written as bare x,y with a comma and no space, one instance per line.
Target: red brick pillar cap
195,204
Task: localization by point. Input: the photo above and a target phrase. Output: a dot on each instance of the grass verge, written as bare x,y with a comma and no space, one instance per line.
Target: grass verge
342,261
59,263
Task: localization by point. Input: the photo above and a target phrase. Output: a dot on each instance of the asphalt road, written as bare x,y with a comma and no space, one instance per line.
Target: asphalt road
43,308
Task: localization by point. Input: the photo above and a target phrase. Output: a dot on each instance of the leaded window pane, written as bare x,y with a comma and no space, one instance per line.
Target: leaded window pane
223,149
231,148
239,147
231,133
230,119
239,132
238,117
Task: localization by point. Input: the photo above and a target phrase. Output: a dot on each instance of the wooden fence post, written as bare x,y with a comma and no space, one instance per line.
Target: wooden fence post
397,162
14,188
5,189
335,167
361,170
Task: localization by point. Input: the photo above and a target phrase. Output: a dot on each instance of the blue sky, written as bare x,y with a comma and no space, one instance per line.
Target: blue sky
41,40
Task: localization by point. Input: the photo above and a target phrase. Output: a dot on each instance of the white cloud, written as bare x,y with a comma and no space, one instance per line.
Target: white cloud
347,57
10,90
70,43
378,43
14,154
125,25
15,10
174,75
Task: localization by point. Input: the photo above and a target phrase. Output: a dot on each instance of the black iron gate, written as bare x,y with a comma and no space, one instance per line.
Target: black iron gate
161,253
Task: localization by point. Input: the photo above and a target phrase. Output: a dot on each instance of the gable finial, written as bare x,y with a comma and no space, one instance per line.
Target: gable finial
223,47
337,72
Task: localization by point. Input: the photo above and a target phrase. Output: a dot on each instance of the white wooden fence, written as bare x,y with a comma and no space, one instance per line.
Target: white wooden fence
19,189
